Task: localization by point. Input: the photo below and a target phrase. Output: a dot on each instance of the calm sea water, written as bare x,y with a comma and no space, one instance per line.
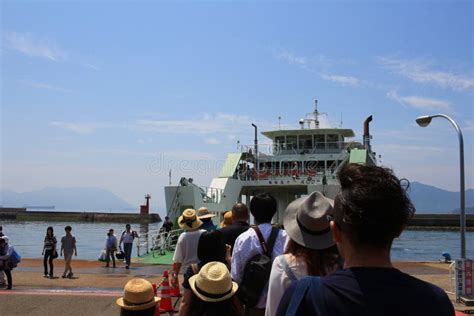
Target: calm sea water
27,237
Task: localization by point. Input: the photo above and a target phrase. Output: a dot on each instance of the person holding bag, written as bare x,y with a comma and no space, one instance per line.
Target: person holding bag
49,252
8,260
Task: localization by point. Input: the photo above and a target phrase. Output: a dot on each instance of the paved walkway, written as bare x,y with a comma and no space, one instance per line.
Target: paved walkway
93,290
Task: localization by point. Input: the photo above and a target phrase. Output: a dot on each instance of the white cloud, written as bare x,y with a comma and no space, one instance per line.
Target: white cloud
78,128
421,103
292,59
42,85
26,44
422,72
205,124
344,80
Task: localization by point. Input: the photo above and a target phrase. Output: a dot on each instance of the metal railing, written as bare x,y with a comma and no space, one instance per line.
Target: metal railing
160,242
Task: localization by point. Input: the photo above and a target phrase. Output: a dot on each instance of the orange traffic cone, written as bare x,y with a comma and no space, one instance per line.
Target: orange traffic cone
174,285
165,303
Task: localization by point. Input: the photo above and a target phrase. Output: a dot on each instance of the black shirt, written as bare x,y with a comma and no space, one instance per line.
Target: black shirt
168,225
233,231
373,291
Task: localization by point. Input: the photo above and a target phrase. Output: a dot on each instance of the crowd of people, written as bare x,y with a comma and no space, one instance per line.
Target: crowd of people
331,257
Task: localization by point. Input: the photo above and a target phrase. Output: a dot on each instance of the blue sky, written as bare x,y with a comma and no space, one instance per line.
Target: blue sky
114,94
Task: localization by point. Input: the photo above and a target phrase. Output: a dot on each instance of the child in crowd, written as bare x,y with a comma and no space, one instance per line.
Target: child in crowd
138,299
214,292
211,247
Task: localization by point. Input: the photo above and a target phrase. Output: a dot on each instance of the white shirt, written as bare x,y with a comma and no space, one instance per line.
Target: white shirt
246,246
128,237
186,248
280,281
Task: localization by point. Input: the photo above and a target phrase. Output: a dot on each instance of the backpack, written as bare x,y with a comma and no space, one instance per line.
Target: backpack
257,270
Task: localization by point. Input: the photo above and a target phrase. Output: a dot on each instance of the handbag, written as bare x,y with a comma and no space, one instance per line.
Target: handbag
55,254
120,255
15,258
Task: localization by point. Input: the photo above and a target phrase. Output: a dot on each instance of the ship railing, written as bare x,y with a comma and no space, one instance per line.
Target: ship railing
297,149
160,241
211,195
165,241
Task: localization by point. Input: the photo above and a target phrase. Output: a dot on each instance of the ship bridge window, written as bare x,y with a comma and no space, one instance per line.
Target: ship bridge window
305,142
280,143
333,141
319,142
291,142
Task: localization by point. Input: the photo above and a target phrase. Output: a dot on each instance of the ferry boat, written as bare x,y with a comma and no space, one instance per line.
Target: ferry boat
297,162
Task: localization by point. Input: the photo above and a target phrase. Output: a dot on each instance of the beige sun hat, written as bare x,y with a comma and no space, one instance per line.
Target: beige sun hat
227,219
213,283
203,213
306,221
188,220
138,295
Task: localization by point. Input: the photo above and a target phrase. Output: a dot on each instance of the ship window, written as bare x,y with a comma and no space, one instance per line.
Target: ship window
305,142
280,143
332,140
331,165
311,167
319,141
291,142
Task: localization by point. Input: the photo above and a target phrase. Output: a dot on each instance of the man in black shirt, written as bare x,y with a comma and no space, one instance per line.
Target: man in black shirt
240,217
167,225
371,210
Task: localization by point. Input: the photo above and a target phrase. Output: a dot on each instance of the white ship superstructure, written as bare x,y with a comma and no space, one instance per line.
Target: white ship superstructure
297,162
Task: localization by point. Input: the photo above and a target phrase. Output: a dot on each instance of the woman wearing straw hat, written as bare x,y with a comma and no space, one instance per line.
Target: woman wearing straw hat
214,292
185,253
311,249
211,247
206,217
138,299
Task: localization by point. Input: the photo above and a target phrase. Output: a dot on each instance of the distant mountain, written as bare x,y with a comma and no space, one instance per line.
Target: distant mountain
78,199
432,200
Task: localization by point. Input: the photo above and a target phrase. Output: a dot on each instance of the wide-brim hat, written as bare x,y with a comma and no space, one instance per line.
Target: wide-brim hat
306,221
227,219
188,220
138,295
213,283
203,213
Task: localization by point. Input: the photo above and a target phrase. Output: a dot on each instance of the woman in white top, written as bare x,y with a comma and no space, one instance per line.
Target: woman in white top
310,250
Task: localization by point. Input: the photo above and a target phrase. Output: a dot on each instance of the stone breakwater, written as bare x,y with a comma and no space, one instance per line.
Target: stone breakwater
21,214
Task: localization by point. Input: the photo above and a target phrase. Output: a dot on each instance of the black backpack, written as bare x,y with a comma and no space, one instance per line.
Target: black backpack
257,270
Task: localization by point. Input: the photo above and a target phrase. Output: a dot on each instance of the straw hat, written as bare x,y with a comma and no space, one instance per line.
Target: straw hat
138,295
203,213
189,220
306,221
227,219
213,283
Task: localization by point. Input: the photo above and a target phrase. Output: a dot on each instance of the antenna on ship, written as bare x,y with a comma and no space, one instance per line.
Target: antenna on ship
279,122
316,113
340,124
